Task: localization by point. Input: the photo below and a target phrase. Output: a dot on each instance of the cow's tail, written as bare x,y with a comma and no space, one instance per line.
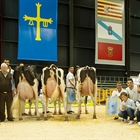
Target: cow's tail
55,94
16,106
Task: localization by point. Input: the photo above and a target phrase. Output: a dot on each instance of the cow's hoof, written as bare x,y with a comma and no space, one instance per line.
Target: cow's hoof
29,114
60,113
66,118
45,119
94,117
20,119
38,118
78,117
54,113
86,112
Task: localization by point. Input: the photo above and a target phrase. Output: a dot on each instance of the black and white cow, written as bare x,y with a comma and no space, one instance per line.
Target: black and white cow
27,84
53,86
86,85
85,97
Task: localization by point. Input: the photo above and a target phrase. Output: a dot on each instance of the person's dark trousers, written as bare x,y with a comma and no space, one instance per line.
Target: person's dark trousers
5,98
130,113
138,115
123,114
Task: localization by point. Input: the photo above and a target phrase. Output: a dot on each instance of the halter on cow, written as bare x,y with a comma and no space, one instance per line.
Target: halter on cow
86,85
26,83
53,86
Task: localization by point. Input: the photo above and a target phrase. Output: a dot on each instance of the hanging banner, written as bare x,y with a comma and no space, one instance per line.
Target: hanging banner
37,30
110,34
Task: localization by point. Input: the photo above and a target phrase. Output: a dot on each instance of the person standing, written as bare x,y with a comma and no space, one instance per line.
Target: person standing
7,61
118,90
132,90
10,70
70,86
6,89
116,93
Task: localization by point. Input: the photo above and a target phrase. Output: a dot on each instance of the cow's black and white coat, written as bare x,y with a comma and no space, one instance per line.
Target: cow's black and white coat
53,86
86,85
27,87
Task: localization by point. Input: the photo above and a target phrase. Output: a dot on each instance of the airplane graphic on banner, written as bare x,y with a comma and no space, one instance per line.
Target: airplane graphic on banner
109,30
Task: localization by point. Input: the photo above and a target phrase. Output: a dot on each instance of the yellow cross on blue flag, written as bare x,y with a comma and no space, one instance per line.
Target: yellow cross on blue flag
37,38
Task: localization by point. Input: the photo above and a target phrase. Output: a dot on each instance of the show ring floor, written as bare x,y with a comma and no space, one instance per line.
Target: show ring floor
55,128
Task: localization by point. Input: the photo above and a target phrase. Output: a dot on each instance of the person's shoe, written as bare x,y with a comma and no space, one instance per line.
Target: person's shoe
48,112
138,123
24,114
116,118
131,122
125,121
69,112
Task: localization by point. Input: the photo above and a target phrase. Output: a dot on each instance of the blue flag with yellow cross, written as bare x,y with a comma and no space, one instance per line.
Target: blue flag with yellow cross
37,38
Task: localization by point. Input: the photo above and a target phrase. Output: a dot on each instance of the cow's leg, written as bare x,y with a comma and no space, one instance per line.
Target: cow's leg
78,87
35,87
20,109
36,108
65,110
55,112
79,105
94,99
30,104
94,105
64,101
35,112
59,103
85,102
45,103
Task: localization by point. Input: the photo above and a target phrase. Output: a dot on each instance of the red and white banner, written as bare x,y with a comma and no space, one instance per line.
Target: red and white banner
110,34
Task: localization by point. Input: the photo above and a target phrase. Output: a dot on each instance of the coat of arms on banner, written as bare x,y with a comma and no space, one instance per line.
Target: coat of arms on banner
112,106
110,51
106,9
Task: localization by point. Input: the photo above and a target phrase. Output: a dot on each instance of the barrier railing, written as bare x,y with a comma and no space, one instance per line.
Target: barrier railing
100,95
103,93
